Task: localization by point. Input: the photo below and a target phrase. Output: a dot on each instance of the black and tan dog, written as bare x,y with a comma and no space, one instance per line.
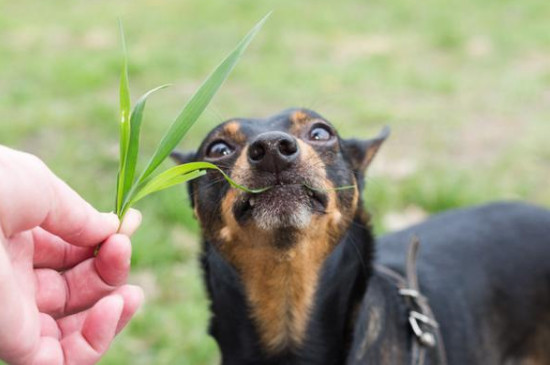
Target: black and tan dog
291,272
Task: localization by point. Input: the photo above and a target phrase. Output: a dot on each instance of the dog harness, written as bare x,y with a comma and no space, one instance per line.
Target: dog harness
420,316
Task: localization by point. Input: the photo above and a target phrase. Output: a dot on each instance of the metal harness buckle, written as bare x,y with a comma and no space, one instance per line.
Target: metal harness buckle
420,316
426,338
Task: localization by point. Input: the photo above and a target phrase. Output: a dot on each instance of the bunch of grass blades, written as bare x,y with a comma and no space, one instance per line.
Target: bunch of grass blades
131,189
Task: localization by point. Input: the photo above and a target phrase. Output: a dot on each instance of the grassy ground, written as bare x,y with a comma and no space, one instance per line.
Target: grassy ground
465,86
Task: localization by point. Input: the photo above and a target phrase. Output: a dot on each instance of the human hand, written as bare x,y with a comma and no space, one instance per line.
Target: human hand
58,303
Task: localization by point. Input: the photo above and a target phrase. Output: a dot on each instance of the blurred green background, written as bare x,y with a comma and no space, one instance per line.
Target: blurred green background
464,85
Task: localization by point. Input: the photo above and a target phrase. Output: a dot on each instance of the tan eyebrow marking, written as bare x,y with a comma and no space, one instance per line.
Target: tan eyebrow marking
299,117
233,130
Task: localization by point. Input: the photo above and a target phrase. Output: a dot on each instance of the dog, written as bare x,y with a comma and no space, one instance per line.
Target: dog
293,275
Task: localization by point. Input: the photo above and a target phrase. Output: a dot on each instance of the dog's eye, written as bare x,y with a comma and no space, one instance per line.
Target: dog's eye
320,133
219,149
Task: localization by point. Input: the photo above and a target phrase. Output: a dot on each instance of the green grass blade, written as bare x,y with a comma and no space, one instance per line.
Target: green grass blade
161,184
124,122
207,165
133,144
177,175
190,167
180,170
198,102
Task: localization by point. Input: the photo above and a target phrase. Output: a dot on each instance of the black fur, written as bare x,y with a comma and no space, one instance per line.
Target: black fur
342,288
486,272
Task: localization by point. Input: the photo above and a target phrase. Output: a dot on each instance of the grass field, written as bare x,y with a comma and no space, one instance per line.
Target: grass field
464,85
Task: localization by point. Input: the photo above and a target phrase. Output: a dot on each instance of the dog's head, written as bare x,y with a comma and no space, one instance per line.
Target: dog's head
277,240
314,176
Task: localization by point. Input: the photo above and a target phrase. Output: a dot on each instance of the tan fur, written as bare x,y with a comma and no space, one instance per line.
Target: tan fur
241,171
299,120
280,283
299,117
232,129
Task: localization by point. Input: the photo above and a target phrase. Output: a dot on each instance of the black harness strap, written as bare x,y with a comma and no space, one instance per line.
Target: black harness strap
420,316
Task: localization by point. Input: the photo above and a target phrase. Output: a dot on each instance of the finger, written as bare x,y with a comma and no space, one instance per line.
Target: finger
112,262
51,292
78,288
75,220
49,352
132,297
48,327
131,222
18,327
98,330
32,196
52,252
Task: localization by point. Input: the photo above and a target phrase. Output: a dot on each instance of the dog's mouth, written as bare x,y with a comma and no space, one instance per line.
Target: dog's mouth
283,205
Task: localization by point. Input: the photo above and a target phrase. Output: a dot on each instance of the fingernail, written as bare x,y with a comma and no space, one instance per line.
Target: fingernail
138,215
131,223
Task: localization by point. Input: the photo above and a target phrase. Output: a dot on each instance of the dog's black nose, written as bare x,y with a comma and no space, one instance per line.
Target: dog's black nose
273,151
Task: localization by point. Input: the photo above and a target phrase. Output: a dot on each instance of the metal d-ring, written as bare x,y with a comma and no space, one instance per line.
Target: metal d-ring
426,338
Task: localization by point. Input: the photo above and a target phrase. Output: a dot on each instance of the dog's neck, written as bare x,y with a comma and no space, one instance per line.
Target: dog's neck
276,307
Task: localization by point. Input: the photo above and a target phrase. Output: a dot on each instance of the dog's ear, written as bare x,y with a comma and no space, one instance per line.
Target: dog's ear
182,157
361,152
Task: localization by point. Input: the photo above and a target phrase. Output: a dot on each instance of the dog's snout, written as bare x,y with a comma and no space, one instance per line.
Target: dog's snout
273,151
